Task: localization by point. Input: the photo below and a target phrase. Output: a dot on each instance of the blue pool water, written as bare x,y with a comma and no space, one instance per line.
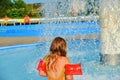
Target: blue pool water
20,62
50,29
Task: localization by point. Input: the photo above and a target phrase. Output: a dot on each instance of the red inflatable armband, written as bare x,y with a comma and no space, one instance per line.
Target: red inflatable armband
73,69
41,66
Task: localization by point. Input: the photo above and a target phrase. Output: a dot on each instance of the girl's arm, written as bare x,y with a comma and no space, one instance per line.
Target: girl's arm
42,73
42,68
68,77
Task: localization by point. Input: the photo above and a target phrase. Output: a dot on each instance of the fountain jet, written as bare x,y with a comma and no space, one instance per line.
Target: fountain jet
110,31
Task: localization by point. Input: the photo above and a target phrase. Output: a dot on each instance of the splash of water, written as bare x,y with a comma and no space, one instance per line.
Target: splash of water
110,34
110,23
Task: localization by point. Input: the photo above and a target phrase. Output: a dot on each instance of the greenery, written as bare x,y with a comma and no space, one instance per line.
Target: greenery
4,6
18,9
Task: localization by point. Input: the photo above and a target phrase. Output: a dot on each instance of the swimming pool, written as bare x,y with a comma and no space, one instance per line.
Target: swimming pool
20,62
21,34
53,29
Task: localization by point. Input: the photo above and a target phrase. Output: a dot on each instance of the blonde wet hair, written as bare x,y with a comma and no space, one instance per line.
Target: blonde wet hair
57,48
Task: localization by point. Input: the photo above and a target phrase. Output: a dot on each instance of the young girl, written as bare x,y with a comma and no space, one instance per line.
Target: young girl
56,61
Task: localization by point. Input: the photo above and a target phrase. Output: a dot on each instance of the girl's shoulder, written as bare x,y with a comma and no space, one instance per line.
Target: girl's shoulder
45,57
65,59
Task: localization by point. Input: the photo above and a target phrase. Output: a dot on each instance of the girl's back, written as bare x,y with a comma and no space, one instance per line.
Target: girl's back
60,64
59,73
